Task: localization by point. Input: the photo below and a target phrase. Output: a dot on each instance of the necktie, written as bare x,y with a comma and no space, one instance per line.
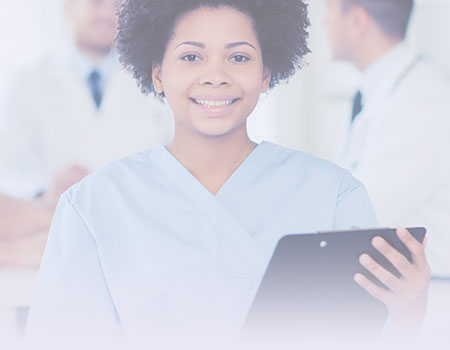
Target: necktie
94,83
357,105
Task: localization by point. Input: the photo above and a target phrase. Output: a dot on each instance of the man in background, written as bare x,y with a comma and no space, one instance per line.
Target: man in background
60,119
398,142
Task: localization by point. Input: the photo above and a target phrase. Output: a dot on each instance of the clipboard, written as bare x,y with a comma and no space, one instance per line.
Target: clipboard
308,289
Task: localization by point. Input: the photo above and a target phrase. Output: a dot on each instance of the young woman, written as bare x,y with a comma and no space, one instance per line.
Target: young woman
175,240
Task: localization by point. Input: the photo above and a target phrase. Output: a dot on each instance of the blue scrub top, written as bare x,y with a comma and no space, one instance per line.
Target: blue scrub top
142,248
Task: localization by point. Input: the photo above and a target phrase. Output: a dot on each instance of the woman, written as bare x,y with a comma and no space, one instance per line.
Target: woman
175,240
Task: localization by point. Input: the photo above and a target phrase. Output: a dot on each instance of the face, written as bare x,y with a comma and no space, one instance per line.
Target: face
339,32
212,73
94,22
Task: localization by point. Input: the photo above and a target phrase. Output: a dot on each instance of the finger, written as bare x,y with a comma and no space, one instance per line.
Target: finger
24,252
377,292
400,262
386,277
416,248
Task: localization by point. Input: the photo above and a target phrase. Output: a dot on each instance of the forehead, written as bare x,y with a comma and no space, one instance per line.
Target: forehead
223,24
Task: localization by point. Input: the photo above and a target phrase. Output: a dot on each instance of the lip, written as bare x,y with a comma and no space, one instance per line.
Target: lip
213,97
216,111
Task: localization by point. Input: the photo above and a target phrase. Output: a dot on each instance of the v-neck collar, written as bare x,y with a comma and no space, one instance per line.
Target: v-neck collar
216,207
246,174
251,164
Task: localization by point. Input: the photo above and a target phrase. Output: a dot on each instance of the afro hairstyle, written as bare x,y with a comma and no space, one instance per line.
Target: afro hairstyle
146,27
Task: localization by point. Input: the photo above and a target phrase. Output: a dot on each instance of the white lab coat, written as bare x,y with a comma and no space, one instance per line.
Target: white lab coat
399,147
49,121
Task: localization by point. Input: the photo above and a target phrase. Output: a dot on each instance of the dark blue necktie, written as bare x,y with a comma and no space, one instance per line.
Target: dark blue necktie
357,105
94,82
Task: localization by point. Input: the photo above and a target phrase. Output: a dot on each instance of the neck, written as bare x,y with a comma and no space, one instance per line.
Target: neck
95,54
211,159
374,50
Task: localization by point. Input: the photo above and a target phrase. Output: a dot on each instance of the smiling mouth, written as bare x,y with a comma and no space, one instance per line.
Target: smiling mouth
214,103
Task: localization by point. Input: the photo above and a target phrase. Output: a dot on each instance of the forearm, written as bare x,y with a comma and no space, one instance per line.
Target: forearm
20,218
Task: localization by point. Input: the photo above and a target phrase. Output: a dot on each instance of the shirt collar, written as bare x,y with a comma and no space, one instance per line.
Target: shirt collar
83,65
374,76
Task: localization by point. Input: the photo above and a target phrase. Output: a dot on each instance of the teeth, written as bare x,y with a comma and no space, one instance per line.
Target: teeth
213,104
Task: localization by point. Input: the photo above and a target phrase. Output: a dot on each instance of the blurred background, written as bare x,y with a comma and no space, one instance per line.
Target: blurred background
311,113
314,108
307,118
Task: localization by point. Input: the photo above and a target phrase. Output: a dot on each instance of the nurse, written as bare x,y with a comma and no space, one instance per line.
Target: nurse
173,241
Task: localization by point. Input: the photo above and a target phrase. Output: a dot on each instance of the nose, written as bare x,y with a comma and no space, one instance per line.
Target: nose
215,76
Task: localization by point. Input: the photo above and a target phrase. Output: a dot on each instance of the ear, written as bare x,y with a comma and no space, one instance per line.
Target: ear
361,18
156,78
267,77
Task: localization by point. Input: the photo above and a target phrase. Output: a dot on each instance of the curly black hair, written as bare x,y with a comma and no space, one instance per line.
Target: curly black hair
146,26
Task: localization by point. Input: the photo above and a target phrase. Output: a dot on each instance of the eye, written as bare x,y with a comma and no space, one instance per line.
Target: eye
190,57
240,58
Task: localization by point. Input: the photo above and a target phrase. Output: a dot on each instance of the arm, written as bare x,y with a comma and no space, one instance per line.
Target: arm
25,219
403,163
20,218
24,224
23,231
72,300
353,206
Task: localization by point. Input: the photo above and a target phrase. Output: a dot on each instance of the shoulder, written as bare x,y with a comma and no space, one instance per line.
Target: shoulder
33,78
321,189
421,102
113,180
303,161
428,82
312,171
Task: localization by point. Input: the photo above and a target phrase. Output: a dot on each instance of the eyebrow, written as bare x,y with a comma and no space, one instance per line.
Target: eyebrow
228,46
239,43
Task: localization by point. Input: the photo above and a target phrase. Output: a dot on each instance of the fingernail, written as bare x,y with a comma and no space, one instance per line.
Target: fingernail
365,259
357,278
377,242
402,231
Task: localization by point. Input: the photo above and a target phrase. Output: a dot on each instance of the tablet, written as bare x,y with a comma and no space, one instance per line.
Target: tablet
308,288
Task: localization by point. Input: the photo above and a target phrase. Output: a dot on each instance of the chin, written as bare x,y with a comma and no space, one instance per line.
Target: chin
102,42
215,132
218,130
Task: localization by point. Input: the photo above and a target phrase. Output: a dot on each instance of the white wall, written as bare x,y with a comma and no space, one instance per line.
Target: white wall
27,29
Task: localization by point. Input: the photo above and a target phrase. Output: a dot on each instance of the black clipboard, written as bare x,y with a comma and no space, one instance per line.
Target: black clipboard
308,288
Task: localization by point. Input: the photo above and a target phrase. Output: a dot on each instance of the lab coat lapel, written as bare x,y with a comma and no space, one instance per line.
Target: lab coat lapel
357,133
243,245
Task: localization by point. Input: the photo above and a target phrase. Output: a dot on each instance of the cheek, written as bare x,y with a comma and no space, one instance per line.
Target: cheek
335,34
250,80
176,81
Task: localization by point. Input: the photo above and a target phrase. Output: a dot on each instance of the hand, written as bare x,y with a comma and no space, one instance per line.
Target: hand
406,298
19,218
23,252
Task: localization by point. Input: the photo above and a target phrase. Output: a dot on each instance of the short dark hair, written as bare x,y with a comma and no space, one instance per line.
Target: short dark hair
146,26
392,16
